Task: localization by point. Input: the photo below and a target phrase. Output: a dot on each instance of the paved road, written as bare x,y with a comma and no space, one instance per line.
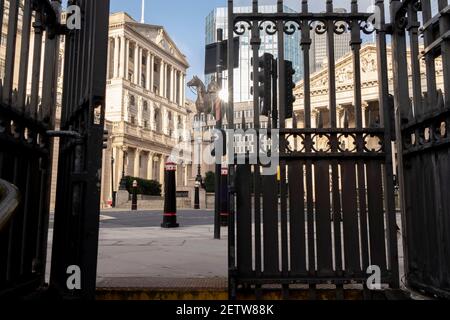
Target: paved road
153,218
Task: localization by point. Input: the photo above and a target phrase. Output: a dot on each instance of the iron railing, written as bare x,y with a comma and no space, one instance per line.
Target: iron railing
27,108
423,122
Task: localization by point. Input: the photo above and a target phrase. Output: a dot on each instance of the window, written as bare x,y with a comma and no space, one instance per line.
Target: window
132,101
133,120
146,124
145,106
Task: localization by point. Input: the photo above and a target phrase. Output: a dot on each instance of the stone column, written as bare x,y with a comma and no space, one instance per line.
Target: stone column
148,79
150,166
161,78
152,72
365,118
116,57
140,67
127,57
172,84
122,57
108,66
162,163
183,89
136,64
137,167
180,89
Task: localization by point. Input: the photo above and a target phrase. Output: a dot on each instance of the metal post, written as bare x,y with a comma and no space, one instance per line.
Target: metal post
224,211
113,193
198,184
218,115
123,182
170,199
134,199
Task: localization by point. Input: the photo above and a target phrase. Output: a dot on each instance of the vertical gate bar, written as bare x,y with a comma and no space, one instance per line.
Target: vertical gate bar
361,190
323,225
336,197
282,125
386,121
413,28
431,207
306,45
350,217
376,214
428,38
444,205
231,173
50,76
331,66
270,226
36,70
244,220
10,54
43,201
2,12
444,26
24,55
97,52
402,102
256,43
297,217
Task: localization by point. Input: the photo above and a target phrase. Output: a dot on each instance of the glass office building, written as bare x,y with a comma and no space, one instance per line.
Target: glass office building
217,19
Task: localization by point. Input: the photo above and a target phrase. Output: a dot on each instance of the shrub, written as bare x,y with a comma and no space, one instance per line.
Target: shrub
210,181
145,187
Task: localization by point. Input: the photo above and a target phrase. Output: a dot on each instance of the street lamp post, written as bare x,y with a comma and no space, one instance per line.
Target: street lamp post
113,193
198,184
134,199
218,153
123,182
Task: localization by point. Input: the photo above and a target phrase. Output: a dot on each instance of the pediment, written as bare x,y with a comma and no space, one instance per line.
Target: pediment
160,37
344,70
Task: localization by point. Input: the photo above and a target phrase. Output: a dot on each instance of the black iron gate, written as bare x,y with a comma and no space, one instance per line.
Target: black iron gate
26,114
423,122
330,215
77,213
27,121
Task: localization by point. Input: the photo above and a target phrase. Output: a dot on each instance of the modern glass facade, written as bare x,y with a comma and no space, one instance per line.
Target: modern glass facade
217,19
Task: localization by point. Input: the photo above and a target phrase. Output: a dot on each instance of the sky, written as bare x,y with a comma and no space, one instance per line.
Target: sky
184,20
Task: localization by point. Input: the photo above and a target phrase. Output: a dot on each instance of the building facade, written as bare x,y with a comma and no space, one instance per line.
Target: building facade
218,19
319,47
345,93
145,104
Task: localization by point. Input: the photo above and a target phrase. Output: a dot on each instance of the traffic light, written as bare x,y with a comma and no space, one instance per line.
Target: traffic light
263,83
290,85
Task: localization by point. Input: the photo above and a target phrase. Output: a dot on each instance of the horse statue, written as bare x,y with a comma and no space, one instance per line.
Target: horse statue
206,98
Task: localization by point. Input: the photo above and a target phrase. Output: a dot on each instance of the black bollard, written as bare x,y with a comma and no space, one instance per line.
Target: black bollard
134,197
170,197
224,212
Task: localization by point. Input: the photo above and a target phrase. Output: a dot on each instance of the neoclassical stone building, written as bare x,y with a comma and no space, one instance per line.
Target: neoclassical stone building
345,89
145,103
